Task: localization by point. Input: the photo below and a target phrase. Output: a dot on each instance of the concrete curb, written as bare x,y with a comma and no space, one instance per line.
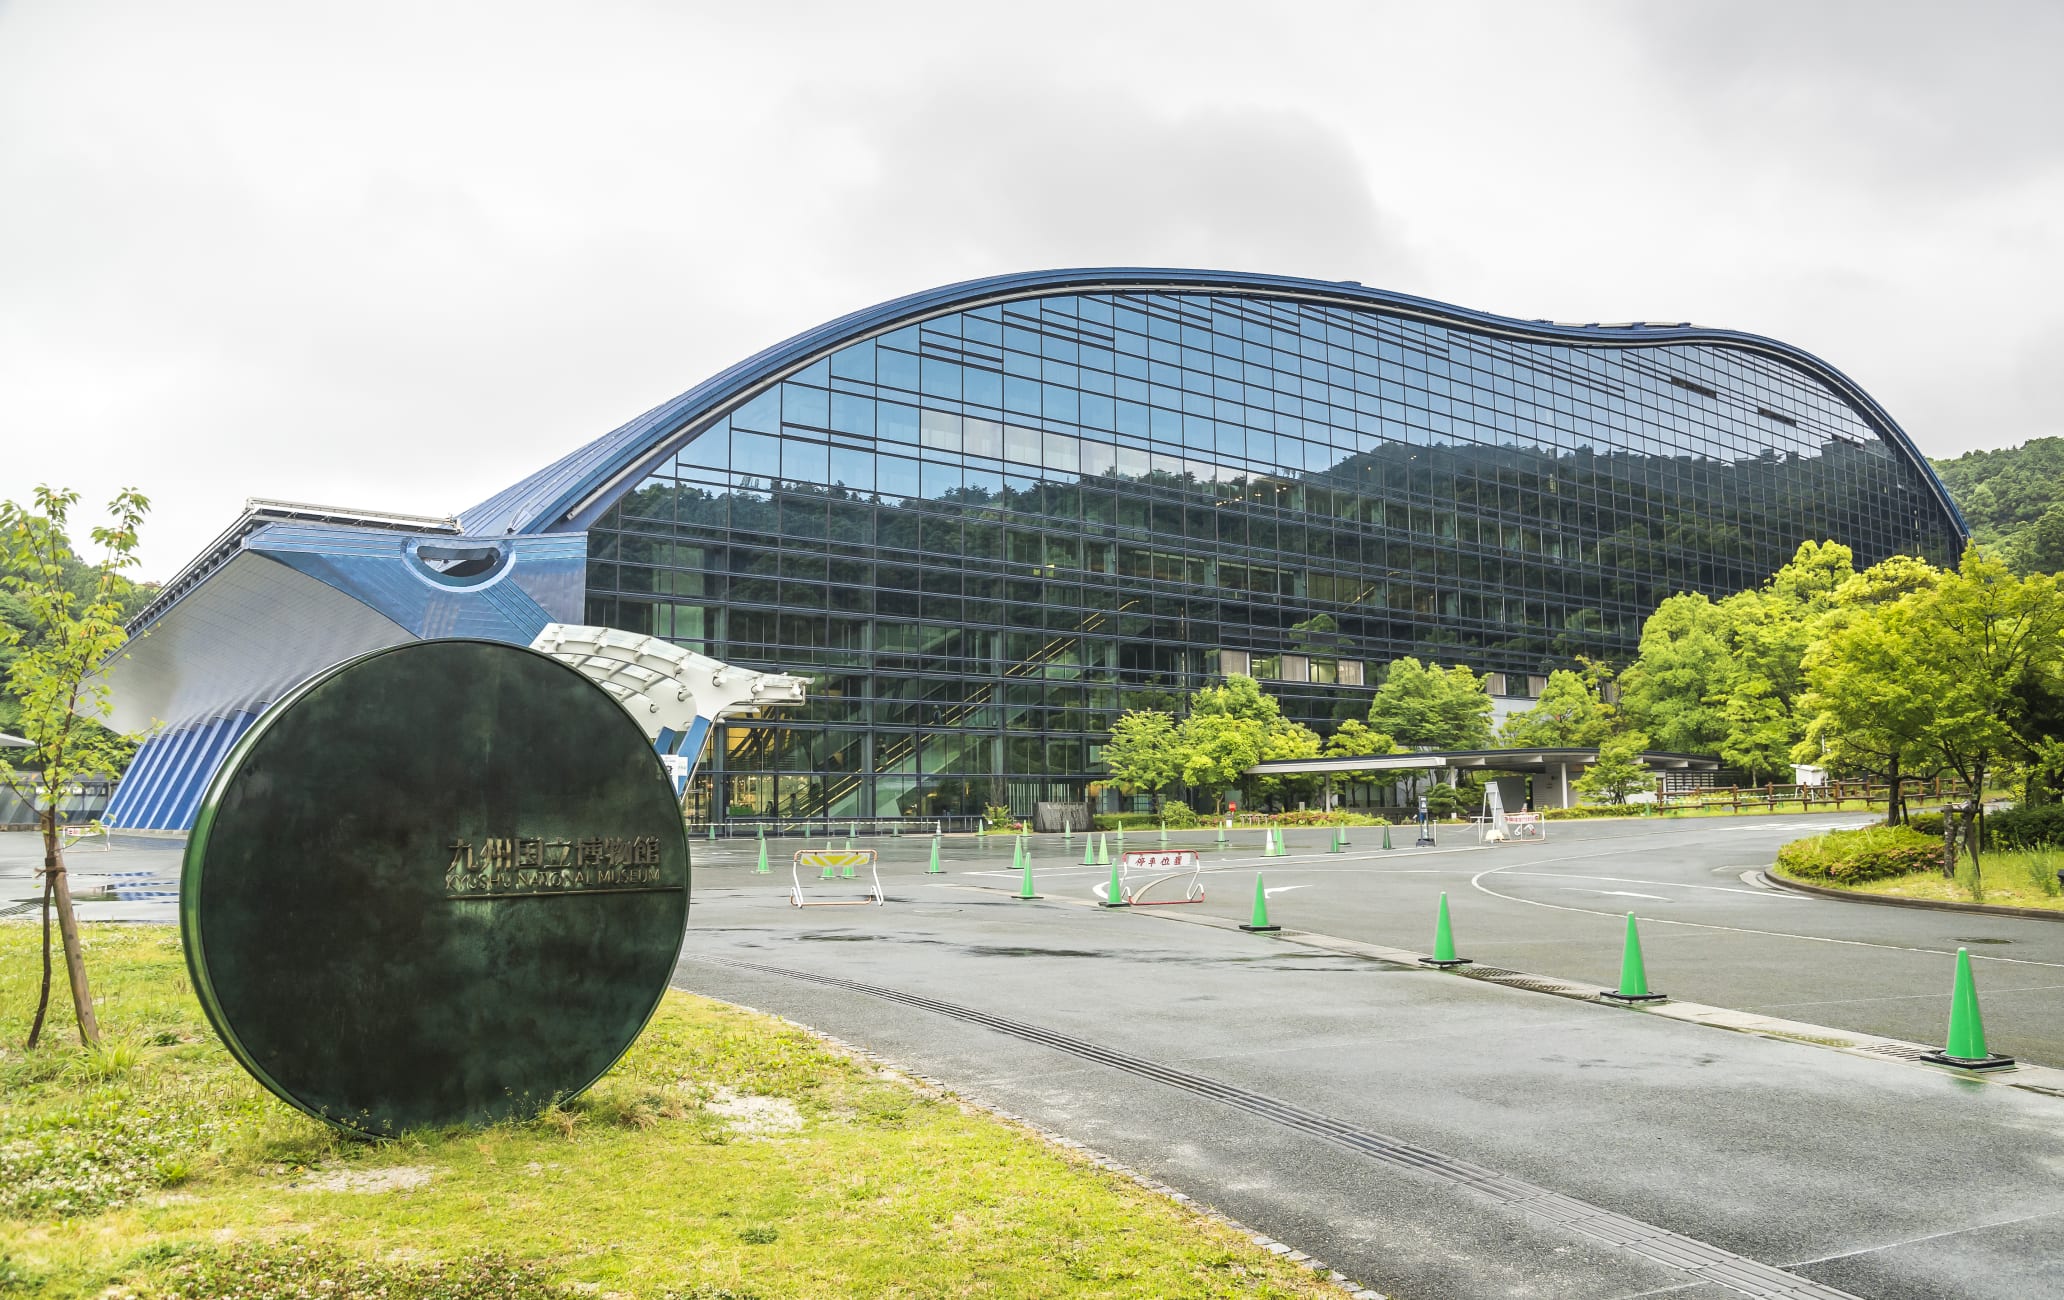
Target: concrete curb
1929,904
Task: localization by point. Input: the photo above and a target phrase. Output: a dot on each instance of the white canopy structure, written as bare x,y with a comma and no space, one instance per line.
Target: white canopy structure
663,686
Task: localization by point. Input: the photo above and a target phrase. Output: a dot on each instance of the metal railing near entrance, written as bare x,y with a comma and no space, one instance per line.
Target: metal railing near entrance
830,828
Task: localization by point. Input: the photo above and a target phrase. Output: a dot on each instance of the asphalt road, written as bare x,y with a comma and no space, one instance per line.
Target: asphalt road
1434,1136
1331,1100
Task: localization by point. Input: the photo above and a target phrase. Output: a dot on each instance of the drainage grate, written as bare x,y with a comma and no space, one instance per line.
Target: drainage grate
1707,1263
1895,1051
20,909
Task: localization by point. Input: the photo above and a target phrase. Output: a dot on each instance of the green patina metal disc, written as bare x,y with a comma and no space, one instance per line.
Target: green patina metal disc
443,883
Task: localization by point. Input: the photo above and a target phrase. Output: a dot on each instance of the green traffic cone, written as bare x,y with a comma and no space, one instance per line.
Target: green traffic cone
1089,851
1025,893
1104,849
830,872
1633,974
713,832
852,833
895,830
1386,835
1444,941
1221,835
933,868
761,868
1966,1047
1268,841
1114,893
1260,923
847,874
1334,845
1164,833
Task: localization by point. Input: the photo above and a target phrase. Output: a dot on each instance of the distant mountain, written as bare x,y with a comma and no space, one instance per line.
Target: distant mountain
2013,499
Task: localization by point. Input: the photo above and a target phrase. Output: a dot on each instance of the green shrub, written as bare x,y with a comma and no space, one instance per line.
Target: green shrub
1319,817
1179,816
2042,867
2040,826
1926,823
1598,810
996,816
1853,857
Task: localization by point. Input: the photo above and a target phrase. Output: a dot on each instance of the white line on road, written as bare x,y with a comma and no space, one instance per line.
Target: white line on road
1476,882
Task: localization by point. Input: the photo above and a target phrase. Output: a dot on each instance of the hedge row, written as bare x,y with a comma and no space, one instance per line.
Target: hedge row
2037,827
1852,857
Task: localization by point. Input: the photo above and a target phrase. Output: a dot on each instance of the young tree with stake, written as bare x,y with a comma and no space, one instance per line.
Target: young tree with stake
61,699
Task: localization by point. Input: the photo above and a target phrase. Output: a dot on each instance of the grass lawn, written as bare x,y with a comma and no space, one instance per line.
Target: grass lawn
727,1156
2011,880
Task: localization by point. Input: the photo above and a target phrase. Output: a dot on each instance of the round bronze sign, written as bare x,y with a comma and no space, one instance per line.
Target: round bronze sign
443,883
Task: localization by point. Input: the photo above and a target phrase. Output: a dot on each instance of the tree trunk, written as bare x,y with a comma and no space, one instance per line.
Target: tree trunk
42,998
68,928
1894,813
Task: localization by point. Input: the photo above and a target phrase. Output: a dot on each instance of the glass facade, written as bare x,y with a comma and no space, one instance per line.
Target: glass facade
987,533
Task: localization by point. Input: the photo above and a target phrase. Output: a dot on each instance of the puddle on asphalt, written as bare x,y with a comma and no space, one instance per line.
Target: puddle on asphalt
1982,941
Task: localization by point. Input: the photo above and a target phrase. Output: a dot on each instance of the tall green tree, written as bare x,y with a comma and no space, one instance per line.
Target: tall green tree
61,701
1354,738
1424,705
1981,639
1619,771
1230,728
1681,674
1571,713
1868,701
1728,677
1142,753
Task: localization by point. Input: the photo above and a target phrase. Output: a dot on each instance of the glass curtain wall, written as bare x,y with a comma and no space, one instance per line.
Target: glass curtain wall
986,534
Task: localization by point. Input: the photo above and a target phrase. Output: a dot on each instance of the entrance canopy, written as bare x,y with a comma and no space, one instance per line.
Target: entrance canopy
1560,765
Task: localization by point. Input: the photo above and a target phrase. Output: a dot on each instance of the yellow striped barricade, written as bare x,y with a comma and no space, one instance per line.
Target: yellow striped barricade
844,861
1141,872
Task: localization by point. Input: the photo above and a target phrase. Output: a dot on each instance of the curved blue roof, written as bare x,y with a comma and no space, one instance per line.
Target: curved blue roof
572,491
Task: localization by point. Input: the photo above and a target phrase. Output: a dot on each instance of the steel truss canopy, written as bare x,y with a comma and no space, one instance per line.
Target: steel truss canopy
663,687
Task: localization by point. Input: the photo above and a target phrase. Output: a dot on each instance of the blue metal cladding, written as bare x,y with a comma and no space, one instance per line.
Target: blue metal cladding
990,517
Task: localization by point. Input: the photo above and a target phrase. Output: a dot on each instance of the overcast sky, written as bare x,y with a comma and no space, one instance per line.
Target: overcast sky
397,256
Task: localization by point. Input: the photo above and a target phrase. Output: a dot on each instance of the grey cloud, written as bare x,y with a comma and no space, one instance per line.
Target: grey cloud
989,177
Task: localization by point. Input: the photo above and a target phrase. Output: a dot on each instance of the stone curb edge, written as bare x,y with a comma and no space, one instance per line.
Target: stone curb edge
924,1083
1928,904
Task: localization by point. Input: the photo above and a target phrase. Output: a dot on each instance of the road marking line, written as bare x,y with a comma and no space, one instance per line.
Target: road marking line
1476,882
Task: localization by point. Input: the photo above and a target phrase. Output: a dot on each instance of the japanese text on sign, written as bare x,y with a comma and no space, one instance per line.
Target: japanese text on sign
519,866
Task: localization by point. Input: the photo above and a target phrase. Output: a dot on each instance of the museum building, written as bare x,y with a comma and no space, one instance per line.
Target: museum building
987,518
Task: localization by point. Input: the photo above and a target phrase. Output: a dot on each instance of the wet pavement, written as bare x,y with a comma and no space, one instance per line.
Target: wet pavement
1551,1148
